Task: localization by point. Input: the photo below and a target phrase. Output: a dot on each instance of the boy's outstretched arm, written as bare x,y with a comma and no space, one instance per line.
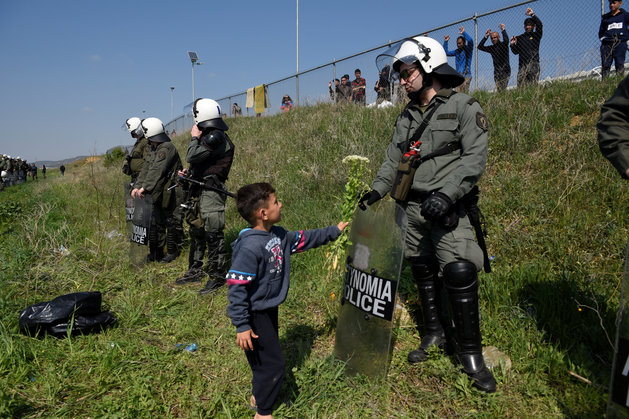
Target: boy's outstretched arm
303,240
243,339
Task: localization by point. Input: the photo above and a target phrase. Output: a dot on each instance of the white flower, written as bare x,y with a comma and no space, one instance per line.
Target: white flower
354,158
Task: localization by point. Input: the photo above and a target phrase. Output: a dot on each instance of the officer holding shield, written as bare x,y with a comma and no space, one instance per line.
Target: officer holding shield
436,156
158,174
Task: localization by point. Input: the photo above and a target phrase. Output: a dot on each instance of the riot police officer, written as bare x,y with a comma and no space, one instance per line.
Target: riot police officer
210,155
436,156
135,159
158,174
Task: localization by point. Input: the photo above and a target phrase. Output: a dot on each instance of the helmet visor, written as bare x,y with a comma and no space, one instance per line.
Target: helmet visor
402,52
407,51
385,61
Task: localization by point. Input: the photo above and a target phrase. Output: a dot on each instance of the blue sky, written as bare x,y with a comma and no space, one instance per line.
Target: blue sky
72,71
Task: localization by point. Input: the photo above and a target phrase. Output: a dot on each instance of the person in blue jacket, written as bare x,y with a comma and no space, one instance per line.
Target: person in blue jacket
613,35
258,283
463,57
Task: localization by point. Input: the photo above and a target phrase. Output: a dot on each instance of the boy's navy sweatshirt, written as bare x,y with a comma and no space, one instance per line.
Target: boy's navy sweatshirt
260,271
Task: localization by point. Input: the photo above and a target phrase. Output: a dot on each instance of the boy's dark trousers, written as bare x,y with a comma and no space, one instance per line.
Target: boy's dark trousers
266,360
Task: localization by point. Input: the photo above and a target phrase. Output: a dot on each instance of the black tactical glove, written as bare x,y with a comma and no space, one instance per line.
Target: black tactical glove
436,205
371,197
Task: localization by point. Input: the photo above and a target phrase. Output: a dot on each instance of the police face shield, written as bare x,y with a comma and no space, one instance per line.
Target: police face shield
195,111
407,51
384,62
127,126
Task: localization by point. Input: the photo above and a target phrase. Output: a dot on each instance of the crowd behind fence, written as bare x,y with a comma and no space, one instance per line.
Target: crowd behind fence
569,49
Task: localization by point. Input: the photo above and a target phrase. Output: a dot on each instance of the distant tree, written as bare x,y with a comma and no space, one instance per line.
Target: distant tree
114,157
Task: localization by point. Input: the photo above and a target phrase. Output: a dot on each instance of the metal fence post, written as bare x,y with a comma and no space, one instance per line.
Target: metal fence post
475,51
334,79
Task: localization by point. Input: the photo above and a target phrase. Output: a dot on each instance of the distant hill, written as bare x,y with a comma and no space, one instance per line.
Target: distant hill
52,164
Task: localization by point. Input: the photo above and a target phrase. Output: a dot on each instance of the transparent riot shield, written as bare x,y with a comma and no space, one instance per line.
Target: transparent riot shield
374,263
618,403
140,226
129,206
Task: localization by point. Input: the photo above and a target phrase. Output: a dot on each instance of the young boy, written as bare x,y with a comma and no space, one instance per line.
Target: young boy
258,283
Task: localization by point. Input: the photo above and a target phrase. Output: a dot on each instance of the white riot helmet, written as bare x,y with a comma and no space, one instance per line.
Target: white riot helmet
207,114
133,126
4,174
154,130
427,52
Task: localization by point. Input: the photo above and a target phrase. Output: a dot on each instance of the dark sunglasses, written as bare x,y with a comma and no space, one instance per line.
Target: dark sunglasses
406,73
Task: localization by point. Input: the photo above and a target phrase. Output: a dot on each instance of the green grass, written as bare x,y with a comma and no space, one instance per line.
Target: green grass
557,219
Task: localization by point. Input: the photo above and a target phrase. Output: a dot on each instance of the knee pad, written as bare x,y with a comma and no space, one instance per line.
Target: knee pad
459,274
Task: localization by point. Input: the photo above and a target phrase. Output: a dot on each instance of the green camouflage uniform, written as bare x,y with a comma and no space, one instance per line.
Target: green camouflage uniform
158,173
459,118
613,128
136,158
210,165
442,251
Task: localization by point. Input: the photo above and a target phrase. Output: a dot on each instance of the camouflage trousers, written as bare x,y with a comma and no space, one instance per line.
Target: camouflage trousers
210,237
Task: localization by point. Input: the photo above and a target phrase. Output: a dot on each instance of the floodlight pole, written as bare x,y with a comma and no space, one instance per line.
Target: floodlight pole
194,60
172,91
193,81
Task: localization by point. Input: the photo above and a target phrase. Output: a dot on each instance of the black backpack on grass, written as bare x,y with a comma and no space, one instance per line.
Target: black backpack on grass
76,313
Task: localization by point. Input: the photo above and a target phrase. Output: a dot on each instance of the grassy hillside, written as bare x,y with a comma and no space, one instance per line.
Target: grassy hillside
557,221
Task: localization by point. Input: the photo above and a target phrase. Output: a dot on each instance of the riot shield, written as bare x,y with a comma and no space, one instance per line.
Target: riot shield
618,403
129,206
140,226
374,263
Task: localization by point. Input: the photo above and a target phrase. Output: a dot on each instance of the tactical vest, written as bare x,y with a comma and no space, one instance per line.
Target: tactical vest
216,166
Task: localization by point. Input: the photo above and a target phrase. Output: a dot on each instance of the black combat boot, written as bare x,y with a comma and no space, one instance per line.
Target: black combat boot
172,249
153,255
194,274
212,286
430,296
215,263
462,284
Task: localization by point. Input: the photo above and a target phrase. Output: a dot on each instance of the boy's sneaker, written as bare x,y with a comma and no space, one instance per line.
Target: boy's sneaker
212,286
191,275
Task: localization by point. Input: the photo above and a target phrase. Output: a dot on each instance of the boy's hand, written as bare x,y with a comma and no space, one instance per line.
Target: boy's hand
342,225
243,339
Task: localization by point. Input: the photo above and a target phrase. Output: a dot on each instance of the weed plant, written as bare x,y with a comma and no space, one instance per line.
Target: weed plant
557,221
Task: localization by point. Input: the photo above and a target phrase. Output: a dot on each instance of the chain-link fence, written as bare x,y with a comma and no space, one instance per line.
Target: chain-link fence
569,49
